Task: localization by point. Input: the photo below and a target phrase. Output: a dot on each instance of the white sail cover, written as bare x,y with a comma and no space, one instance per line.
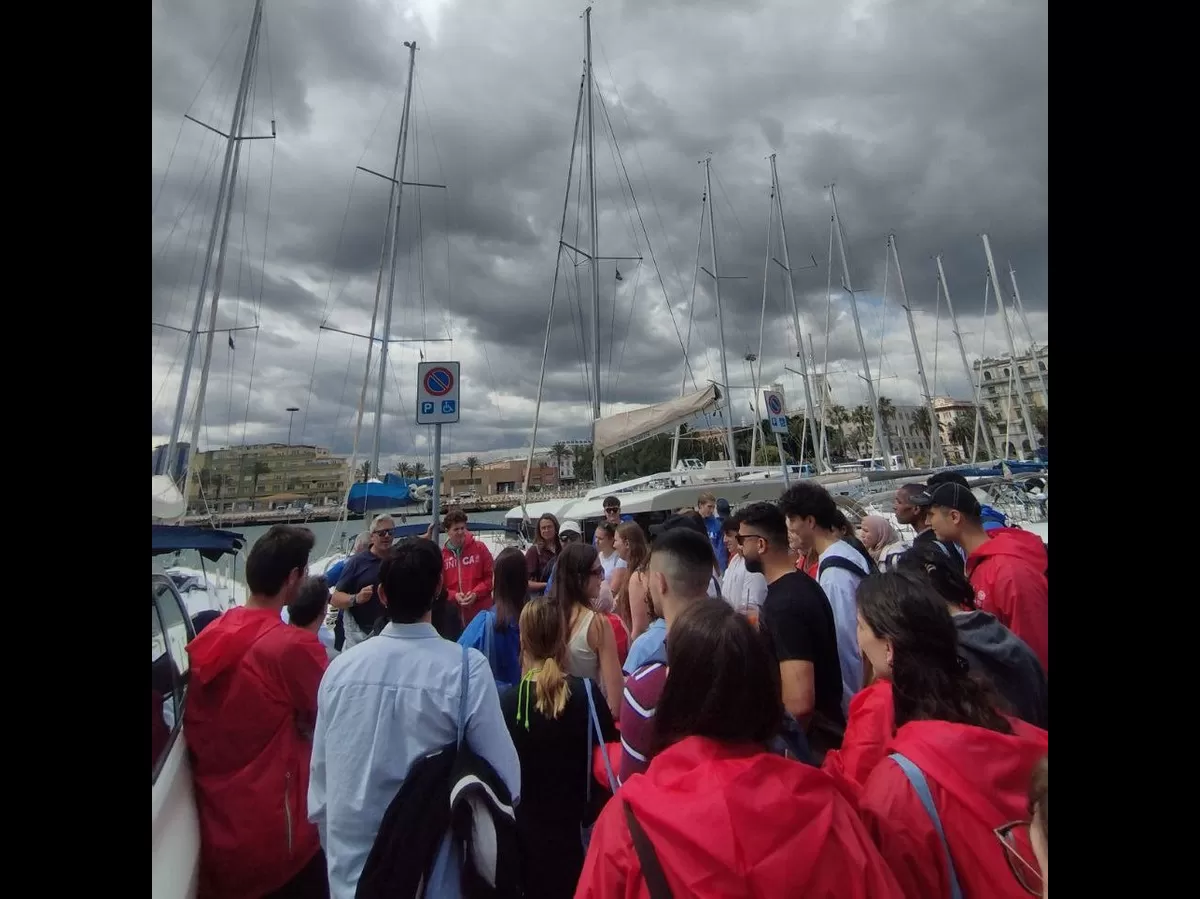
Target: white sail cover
626,428
167,502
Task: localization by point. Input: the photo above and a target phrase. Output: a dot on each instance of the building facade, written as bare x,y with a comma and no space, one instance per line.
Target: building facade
499,477
267,475
998,380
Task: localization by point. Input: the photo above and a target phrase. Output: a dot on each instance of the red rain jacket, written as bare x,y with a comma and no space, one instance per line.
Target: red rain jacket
251,706
1008,573
979,780
869,729
734,821
468,571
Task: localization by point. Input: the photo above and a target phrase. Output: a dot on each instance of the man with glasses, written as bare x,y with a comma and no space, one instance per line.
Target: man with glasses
612,514
355,593
798,622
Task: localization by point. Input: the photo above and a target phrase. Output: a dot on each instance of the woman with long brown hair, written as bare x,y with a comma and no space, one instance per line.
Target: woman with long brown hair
547,717
494,631
591,645
540,557
630,587
946,804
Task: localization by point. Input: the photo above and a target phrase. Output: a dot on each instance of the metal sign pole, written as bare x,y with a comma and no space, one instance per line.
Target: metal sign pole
435,507
782,460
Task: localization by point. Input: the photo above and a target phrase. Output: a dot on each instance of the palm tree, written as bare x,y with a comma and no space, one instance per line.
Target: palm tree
472,464
364,472
418,469
962,432
865,419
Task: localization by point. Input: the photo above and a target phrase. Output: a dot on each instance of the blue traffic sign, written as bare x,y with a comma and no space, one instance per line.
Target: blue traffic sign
448,407
438,381
774,405
427,408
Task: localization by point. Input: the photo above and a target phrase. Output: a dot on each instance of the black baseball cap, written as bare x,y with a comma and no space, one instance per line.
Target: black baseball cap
950,495
679,521
723,507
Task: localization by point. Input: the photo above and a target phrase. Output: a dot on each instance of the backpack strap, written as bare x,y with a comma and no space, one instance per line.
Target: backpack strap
921,786
839,562
594,721
652,870
716,582
462,695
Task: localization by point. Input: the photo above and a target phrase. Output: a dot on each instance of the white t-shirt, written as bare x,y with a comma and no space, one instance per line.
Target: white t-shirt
743,590
611,563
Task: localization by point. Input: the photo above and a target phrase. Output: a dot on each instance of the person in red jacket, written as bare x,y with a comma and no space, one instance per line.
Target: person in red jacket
1006,566
250,713
717,814
467,567
946,807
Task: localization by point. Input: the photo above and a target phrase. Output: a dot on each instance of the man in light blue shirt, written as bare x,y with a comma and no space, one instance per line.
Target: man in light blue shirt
388,702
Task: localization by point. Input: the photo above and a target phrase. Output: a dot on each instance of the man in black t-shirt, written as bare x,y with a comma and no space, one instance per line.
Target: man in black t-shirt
356,587
797,621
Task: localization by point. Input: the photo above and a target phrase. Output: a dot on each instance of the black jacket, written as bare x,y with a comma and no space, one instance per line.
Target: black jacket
451,791
999,655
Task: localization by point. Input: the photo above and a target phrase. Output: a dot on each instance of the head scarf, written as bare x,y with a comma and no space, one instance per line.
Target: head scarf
877,533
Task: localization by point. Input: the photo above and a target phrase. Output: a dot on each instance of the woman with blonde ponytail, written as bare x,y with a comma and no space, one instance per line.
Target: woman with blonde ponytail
547,716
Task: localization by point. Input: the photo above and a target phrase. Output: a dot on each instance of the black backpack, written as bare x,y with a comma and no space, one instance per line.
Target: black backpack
421,815
840,562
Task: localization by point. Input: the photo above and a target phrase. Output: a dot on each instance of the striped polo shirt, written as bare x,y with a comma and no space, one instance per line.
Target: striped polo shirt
643,689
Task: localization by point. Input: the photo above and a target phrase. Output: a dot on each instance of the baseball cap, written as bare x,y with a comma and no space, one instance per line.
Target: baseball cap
679,521
569,525
723,507
950,495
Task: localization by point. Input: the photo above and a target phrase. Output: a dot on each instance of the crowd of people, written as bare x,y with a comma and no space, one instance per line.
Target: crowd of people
775,702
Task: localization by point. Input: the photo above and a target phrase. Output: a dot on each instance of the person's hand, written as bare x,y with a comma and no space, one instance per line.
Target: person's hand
364,595
466,599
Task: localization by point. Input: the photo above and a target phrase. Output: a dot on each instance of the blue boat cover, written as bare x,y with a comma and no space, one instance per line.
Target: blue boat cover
210,543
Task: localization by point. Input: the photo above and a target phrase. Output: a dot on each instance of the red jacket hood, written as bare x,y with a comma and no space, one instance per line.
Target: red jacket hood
738,821
982,769
1012,542
216,649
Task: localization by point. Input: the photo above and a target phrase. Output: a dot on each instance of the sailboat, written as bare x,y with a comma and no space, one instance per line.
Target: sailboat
653,497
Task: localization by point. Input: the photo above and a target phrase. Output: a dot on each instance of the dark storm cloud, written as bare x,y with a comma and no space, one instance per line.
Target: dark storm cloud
930,117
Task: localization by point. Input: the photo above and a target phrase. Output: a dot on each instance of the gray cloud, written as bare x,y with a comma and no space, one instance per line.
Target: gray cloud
930,117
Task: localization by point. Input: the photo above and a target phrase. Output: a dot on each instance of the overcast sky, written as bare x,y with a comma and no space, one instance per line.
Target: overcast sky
931,117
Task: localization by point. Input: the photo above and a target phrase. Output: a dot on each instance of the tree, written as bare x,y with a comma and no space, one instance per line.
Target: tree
472,464
419,470
887,414
1038,414
364,472
962,432
583,462
864,419
260,468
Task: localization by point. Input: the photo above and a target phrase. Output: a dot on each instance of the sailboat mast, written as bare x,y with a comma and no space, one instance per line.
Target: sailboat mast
691,313
762,320
226,187
398,192
935,445
597,458
716,273
884,442
1012,348
202,390
810,419
962,353
1029,331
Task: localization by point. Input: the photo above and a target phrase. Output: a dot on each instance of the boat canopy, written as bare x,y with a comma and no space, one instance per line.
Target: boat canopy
210,543
627,428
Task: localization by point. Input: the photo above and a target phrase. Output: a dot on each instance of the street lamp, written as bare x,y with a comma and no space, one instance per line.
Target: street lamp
291,410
